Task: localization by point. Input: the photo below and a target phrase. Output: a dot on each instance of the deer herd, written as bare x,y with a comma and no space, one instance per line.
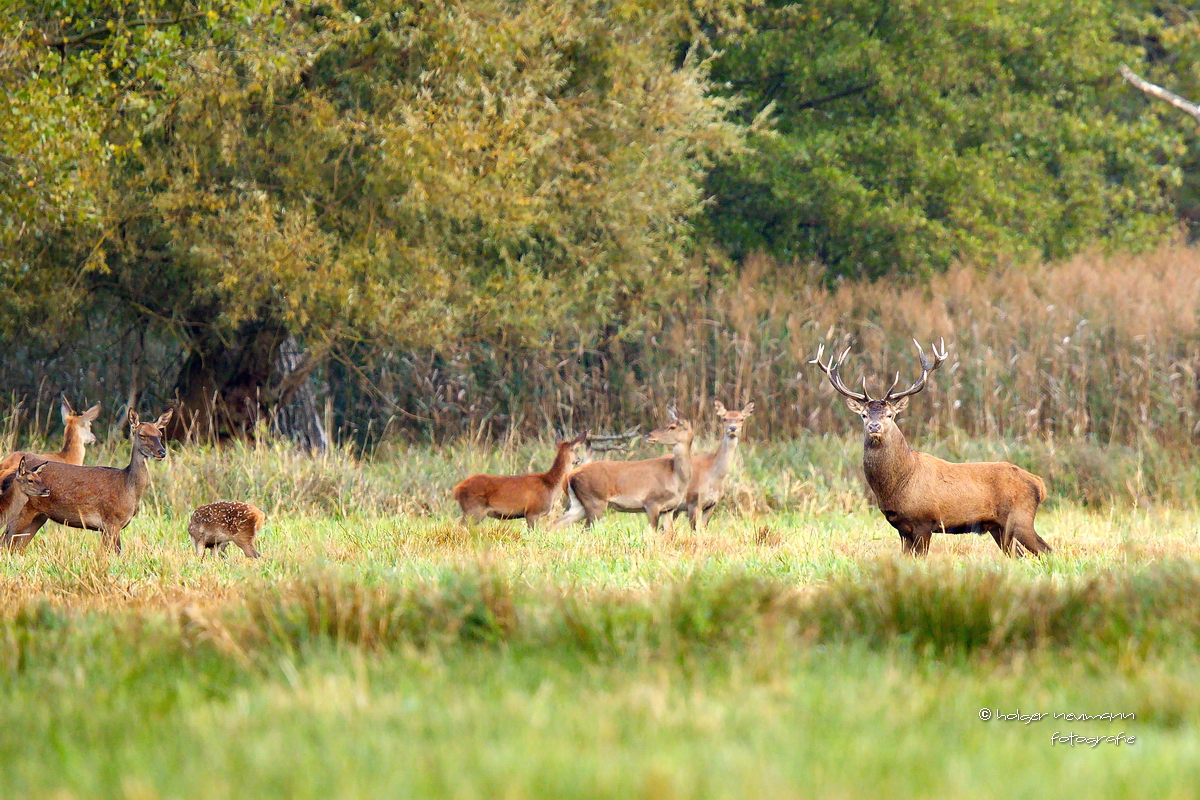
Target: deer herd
917,493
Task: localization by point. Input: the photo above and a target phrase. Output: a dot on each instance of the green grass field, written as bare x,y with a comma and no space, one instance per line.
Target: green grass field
380,649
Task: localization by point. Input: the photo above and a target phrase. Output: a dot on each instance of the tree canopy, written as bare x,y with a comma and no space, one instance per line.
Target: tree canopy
908,135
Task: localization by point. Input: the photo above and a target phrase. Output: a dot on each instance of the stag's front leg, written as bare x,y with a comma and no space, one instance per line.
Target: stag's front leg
921,535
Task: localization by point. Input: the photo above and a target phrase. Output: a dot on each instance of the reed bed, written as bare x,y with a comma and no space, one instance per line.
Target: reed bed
1101,346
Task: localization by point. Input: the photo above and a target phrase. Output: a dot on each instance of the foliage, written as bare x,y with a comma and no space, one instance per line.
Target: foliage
377,168
908,135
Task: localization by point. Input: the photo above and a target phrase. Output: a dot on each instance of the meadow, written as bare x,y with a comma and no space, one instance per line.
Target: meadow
382,649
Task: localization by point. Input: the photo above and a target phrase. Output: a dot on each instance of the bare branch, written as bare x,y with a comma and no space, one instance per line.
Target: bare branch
1161,93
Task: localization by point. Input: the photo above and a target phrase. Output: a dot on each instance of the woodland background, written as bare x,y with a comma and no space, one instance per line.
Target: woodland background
374,220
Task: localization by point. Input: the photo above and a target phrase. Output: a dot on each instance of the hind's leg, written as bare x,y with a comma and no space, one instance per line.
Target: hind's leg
21,530
575,512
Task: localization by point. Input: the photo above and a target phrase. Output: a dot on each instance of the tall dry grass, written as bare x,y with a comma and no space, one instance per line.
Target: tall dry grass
1101,346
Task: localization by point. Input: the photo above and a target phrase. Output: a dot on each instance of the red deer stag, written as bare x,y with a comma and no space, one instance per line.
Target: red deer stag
96,498
518,496
710,470
919,493
215,525
77,434
655,485
17,487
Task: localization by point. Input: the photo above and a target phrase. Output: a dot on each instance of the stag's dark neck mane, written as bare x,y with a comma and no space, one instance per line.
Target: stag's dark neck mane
888,464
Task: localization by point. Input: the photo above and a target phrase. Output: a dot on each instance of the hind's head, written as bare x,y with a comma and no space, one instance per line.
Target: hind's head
148,436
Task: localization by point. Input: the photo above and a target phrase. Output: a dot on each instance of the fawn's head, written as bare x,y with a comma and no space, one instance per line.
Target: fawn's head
878,415
732,421
148,436
29,480
81,422
572,446
677,431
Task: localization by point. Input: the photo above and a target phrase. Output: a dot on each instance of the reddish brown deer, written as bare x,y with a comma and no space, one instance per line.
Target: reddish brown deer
77,434
531,497
96,498
217,524
17,487
709,470
919,493
654,486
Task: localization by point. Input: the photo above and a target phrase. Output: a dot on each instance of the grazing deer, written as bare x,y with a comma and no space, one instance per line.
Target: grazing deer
17,487
709,470
919,493
515,496
77,434
96,498
654,485
217,524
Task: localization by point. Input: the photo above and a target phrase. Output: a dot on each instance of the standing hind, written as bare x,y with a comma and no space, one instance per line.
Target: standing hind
530,497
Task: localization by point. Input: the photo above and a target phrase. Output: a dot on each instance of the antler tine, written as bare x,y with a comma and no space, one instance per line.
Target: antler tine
835,379
926,368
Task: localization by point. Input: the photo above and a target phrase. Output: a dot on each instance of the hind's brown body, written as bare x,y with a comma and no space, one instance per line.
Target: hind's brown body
529,497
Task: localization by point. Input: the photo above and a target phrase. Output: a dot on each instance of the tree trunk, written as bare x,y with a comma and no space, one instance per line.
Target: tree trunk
225,390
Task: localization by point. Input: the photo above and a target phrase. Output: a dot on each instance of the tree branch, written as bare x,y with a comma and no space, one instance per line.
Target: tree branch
105,30
1161,93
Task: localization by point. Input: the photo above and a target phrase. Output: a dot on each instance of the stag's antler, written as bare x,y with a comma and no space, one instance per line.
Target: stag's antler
926,368
831,369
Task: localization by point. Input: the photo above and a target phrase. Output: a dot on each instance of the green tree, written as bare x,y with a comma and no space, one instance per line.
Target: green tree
384,170
907,135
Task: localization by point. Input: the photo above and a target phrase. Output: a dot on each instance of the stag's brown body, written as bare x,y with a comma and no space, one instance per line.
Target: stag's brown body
77,434
102,499
920,494
217,524
530,497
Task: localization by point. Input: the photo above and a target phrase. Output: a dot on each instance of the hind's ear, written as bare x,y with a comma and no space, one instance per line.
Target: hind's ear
749,409
65,410
720,408
162,421
91,414
134,419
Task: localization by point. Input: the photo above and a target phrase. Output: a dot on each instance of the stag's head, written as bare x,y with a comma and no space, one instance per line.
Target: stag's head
878,415
732,421
148,436
677,431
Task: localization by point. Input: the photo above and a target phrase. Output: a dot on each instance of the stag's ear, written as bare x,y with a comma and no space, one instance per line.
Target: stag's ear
899,405
855,405
720,407
749,409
